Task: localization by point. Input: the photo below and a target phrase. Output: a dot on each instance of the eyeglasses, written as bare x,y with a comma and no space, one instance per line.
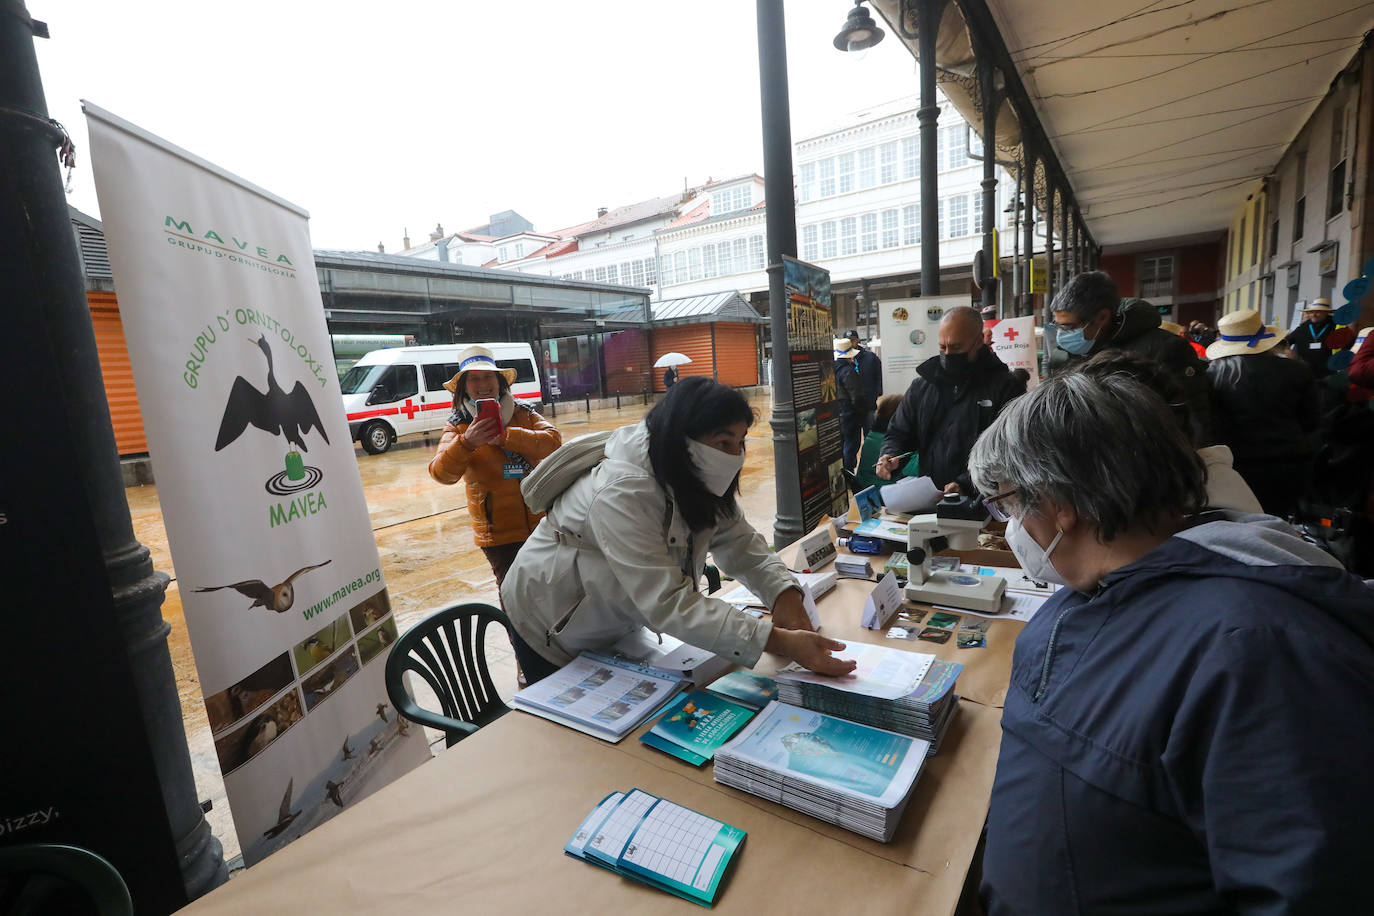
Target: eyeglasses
992,503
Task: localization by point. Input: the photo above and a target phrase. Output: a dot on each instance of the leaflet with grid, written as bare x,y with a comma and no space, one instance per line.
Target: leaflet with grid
677,843
611,837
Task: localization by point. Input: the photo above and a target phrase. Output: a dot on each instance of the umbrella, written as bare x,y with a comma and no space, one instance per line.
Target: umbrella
672,359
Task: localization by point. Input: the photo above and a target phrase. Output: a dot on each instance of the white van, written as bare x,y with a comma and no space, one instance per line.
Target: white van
400,390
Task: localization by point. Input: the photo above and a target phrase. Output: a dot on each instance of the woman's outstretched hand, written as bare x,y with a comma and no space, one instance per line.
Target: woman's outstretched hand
810,650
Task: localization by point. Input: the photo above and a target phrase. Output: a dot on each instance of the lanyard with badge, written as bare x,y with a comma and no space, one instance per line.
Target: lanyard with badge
515,466
1316,338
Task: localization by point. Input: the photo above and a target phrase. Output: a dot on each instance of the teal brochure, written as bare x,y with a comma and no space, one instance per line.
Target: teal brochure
749,688
695,725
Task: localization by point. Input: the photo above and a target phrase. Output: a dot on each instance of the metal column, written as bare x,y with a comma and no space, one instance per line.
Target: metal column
986,77
1050,285
782,240
1064,239
928,13
1027,306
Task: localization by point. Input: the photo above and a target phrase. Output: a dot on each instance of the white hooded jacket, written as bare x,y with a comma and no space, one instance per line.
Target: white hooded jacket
613,554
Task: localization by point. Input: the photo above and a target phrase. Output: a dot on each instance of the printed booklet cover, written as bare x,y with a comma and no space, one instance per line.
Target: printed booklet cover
749,688
695,725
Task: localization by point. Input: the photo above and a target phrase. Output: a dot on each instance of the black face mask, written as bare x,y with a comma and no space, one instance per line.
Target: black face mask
956,365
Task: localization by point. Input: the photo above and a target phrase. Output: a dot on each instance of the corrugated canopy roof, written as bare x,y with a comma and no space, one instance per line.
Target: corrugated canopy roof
727,306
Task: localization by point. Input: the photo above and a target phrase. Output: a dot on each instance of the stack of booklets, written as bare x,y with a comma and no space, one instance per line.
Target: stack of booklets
855,567
882,693
655,841
850,775
695,725
603,696
820,582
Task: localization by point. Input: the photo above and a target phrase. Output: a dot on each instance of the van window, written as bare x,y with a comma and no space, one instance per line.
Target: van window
438,373
524,369
399,382
360,378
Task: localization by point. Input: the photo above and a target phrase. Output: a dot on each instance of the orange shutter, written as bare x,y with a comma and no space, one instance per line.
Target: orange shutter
118,374
692,340
737,355
627,361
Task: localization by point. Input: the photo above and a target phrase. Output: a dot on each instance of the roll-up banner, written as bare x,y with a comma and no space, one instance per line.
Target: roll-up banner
815,397
275,560
910,332
1013,340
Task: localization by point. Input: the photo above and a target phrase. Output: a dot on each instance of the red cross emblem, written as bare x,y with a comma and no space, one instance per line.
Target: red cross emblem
1012,334
409,409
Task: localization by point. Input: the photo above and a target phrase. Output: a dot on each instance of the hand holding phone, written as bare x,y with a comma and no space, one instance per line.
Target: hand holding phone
486,427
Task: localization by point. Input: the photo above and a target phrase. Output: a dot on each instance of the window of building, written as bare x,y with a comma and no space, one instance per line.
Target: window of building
955,216
1240,243
849,236
891,239
679,267
1157,277
739,251
650,272
612,274
868,232
868,168
826,185
1335,191
1300,198
911,224
911,157
975,144
829,247
601,275
519,249
1256,232
694,264
887,156
756,252
954,146
724,263
810,248
732,200
503,253
708,261
806,189
637,273
975,203
844,167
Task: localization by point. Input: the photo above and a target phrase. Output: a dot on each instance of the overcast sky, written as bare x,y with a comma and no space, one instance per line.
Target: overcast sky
382,117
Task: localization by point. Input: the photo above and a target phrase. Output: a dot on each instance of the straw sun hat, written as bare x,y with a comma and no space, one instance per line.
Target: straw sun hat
479,358
845,349
1318,305
1243,333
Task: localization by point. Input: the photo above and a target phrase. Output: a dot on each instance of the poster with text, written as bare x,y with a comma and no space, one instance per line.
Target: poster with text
815,398
910,333
1013,340
276,564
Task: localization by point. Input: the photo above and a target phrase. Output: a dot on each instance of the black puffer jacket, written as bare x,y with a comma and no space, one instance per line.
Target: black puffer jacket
1265,407
1135,328
940,420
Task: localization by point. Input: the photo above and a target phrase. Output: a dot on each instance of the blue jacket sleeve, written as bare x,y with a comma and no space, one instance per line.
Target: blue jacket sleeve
1268,758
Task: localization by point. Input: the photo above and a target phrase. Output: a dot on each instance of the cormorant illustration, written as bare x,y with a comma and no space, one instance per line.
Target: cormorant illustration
277,598
347,751
381,712
274,411
284,815
331,789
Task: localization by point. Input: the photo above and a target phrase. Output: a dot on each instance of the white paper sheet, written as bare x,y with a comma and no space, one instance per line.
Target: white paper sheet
911,494
882,603
882,672
1015,606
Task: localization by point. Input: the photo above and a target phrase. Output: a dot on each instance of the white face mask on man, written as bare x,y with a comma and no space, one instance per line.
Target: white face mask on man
715,469
1034,559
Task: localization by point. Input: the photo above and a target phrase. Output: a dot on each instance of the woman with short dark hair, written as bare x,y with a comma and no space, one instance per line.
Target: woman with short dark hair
624,547
1178,714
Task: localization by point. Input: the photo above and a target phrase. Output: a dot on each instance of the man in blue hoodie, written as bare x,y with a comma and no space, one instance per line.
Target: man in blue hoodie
1187,725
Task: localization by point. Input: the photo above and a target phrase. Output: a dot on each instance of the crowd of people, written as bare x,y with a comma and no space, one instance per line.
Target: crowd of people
1182,707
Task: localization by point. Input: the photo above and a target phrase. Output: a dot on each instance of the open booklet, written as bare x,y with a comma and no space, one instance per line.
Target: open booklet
660,843
602,696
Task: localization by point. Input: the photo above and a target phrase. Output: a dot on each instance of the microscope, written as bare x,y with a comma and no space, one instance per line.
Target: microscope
955,523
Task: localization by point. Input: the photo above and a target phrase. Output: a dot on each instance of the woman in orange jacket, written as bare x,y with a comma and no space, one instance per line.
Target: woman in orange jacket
492,459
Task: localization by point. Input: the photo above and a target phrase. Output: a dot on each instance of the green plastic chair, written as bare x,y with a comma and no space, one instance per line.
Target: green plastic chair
42,878
448,650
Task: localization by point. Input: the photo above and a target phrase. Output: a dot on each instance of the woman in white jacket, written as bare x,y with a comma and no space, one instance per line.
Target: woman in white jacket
625,545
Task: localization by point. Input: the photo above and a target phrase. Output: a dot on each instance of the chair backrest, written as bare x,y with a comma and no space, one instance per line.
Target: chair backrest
40,878
448,650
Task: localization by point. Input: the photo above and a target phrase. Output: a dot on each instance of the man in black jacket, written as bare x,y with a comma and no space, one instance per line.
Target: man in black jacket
954,397
1090,316
870,369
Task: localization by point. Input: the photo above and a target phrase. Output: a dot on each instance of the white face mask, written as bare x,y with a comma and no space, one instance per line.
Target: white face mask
1034,560
715,469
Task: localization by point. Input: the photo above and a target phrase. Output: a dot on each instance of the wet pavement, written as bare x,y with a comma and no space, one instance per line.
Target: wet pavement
428,559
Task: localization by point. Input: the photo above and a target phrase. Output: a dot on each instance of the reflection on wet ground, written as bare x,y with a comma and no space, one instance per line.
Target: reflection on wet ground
428,559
